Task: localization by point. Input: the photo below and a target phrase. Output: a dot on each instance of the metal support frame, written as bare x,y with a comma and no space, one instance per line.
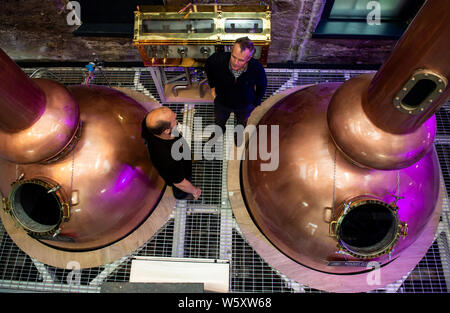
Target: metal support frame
443,235
290,83
108,270
444,249
159,80
394,287
8,285
226,233
139,86
226,214
181,205
179,230
47,276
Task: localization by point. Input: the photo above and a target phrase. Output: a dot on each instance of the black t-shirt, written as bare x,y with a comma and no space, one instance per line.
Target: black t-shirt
171,170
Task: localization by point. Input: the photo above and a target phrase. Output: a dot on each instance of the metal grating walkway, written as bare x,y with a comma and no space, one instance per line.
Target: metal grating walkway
206,228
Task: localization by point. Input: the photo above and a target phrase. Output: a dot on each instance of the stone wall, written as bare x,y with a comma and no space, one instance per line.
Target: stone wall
292,40
36,30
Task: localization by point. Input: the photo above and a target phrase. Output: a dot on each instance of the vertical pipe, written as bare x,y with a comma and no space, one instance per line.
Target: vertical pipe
425,45
22,102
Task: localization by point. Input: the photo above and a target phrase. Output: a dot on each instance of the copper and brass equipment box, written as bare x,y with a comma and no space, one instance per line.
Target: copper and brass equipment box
186,37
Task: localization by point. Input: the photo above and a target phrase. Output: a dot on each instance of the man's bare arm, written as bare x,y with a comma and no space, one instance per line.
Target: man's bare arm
187,186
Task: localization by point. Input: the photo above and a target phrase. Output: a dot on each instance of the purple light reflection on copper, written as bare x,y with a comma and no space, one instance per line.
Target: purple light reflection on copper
124,179
128,179
419,151
417,185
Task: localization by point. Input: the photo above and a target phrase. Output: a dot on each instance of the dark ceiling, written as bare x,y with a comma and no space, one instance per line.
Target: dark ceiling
109,18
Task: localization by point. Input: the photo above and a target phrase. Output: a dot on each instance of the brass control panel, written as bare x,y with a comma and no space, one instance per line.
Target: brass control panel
186,37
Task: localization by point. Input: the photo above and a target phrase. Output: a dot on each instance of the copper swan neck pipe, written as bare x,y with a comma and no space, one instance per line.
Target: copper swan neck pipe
424,46
22,102
38,117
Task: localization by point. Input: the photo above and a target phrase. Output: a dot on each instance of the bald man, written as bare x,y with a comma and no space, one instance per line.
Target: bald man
158,135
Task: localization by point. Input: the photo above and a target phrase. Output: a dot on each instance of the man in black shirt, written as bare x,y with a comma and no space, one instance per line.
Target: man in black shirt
157,132
237,81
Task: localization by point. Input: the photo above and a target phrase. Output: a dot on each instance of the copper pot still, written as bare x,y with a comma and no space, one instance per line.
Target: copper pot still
76,175
358,176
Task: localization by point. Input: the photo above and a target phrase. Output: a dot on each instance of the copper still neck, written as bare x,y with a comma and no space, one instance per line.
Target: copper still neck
22,102
386,121
38,117
412,84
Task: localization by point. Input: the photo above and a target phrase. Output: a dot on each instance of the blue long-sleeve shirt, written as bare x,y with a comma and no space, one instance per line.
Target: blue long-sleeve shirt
248,89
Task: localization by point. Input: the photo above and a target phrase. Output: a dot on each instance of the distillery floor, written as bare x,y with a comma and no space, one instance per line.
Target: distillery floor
206,228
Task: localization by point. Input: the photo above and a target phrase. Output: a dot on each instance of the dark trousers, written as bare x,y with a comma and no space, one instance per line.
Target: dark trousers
177,192
222,113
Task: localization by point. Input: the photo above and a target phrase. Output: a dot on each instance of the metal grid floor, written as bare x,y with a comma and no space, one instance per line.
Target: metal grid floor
206,228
